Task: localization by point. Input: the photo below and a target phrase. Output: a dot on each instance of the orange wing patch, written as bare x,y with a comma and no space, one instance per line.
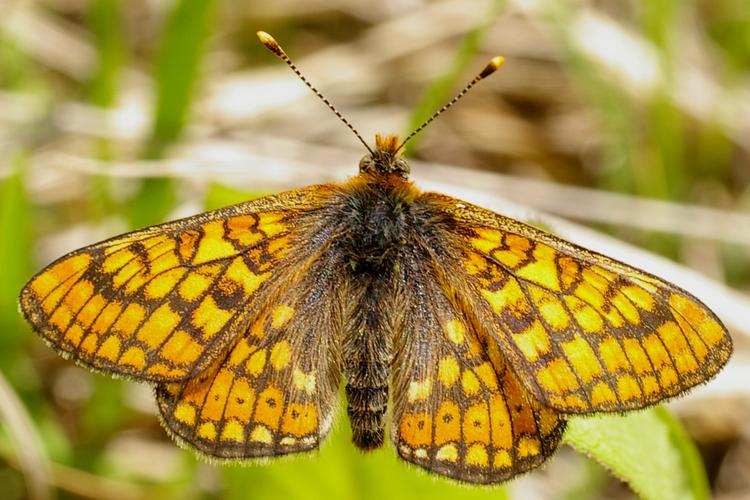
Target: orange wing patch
160,303
459,409
584,332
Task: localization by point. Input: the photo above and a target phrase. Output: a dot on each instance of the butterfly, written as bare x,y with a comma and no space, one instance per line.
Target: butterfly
471,336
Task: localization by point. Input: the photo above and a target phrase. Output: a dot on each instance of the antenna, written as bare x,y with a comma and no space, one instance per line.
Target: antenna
272,45
494,65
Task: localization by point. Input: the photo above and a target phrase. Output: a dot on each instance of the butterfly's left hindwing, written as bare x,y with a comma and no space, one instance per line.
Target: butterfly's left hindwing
160,303
275,389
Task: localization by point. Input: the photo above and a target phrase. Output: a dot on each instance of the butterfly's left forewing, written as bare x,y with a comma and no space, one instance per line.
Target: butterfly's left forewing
161,303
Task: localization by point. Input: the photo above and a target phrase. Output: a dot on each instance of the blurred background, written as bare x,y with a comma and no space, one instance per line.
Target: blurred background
630,118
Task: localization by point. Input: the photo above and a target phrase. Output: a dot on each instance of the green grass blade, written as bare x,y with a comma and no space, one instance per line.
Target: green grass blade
439,92
15,254
177,69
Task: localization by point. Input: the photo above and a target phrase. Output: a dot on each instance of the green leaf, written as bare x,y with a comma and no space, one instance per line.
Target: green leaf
648,450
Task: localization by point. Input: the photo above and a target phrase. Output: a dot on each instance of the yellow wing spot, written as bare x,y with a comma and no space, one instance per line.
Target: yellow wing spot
487,240
581,356
542,269
126,273
708,328
185,413
239,354
209,317
109,349
677,346
281,353
448,423
655,350
107,316
194,286
304,382
156,328
207,430
90,311
612,355
470,383
162,285
667,376
510,298
279,247
270,223
476,425
550,307
637,356
114,262
477,455
270,407
448,371
416,429
447,453
213,408
129,320
697,345
455,331
650,384
528,447
186,244
281,315
134,357
212,245
625,307
627,388
602,393
256,363
54,298
640,297
557,377
74,334
501,460
181,349
78,295
233,431
261,434
487,375
242,275
240,401
587,318
61,318
534,342
419,391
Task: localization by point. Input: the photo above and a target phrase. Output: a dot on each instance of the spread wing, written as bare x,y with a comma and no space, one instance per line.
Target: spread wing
582,332
275,390
459,409
161,303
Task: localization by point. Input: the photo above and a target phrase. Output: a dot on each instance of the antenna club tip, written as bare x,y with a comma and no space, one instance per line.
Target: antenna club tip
495,64
270,43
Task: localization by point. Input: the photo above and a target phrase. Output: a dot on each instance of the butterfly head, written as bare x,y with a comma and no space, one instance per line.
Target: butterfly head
385,159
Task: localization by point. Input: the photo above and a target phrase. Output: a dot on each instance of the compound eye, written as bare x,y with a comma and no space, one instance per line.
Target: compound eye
365,163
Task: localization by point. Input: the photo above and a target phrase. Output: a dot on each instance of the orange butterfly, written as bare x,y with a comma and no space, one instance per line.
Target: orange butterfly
482,332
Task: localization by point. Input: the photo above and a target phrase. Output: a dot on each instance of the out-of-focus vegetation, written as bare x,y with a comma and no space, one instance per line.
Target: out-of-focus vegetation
115,114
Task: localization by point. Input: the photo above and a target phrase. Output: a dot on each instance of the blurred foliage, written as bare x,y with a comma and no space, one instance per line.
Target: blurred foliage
101,435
